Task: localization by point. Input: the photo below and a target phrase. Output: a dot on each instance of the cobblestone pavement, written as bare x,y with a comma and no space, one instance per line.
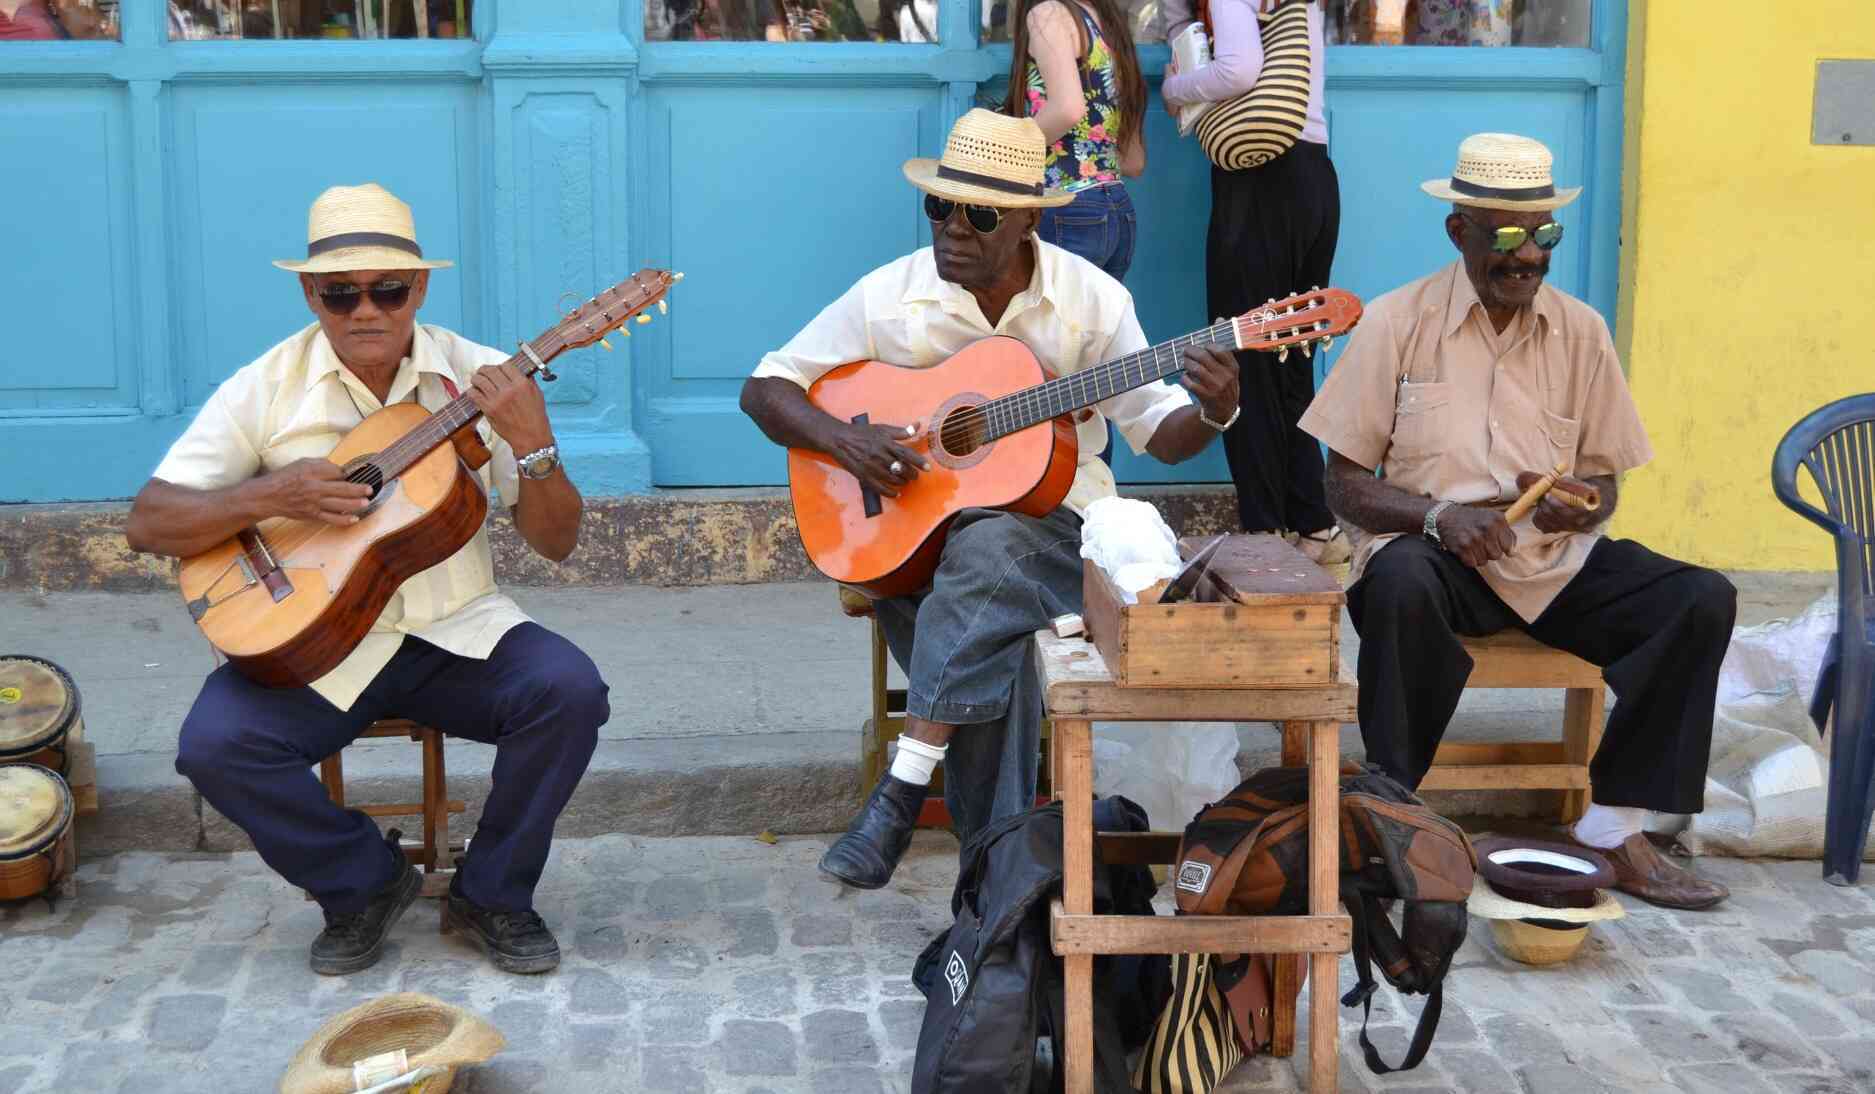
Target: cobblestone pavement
723,964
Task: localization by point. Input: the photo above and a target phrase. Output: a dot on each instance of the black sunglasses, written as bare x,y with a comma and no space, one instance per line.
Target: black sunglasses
342,298
1508,240
985,219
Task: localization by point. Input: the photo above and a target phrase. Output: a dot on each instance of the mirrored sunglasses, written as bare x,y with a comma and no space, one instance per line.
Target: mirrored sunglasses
342,298
1508,240
985,219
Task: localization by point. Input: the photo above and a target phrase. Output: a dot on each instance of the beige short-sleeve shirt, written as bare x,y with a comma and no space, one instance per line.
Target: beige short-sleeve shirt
1072,316
297,401
1443,405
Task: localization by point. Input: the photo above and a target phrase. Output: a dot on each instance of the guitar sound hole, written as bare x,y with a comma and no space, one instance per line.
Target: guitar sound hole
964,431
369,473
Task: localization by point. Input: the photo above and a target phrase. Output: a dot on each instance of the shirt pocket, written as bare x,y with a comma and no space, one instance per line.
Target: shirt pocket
1564,433
1419,418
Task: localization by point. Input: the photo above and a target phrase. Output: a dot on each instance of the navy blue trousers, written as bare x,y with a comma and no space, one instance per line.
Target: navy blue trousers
538,699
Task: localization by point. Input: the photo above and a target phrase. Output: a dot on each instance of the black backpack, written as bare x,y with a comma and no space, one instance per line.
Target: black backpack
992,984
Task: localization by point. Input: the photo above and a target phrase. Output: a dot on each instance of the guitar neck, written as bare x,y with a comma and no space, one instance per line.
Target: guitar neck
1067,394
438,427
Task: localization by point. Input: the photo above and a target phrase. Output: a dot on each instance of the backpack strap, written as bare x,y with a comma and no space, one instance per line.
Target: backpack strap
1364,910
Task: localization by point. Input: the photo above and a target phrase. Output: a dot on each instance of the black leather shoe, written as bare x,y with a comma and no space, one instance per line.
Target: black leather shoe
866,856
514,941
354,941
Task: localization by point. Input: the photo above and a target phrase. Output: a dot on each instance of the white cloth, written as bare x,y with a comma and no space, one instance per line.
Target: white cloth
1072,316
297,401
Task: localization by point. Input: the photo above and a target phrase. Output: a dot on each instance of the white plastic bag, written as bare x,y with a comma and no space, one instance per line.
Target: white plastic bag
1171,769
1131,541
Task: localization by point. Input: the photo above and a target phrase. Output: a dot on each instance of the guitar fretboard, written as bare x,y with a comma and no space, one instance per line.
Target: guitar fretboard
1067,394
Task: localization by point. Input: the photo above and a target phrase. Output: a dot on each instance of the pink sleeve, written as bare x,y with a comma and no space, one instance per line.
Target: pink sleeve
1236,58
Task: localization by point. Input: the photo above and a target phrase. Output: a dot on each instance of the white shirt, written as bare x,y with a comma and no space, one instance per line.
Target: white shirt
296,401
1072,316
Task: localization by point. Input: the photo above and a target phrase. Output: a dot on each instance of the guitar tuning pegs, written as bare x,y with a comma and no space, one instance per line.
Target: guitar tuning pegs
548,374
1328,343
663,308
1282,355
1305,349
643,319
676,277
605,343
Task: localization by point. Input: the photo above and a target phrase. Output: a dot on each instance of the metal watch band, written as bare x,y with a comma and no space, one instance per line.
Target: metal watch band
548,458
1431,528
1219,426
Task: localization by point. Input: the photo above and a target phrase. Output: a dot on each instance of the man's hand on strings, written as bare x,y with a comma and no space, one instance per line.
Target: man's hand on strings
313,489
1211,377
877,455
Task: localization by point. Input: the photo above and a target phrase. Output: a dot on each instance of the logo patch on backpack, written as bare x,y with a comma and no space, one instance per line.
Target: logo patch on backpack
1193,876
958,976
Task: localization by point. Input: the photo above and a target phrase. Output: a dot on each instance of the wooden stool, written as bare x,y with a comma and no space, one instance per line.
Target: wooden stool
1512,659
888,721
436,853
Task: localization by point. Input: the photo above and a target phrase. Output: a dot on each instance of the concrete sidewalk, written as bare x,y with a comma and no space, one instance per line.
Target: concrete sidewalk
735,708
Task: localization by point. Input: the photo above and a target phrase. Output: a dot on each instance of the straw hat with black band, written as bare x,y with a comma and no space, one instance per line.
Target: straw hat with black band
360,228
990,159
1502,171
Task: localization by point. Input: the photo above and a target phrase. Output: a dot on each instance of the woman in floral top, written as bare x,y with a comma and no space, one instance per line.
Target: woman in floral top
1073,69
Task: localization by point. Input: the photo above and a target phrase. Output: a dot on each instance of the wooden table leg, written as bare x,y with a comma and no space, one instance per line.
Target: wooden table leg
1324,899
1074,765
1288,966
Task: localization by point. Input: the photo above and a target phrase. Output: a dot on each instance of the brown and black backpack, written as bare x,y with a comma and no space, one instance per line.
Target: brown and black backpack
1249,855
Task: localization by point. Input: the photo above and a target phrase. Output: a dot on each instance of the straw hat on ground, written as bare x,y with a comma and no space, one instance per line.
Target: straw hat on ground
990,159
429,1031
1540,897
1502,171
360,228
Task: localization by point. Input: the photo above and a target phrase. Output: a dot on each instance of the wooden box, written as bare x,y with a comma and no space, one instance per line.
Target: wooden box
1264,616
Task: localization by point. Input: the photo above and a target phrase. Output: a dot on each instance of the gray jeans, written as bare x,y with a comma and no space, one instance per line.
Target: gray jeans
965,645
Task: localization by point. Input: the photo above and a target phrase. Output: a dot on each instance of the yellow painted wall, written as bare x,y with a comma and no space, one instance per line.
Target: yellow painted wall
1748,267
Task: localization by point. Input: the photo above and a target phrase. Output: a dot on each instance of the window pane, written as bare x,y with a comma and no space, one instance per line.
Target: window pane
57,20
1143,16
791,20
1458,22
229,19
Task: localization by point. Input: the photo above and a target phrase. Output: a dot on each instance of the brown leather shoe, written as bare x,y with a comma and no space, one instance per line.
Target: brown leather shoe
1642,871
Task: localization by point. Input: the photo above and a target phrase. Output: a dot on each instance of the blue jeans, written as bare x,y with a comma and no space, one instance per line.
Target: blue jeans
1098,225
967,648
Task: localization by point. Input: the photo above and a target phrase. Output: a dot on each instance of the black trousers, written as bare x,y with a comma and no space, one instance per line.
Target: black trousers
1273,231
1658,629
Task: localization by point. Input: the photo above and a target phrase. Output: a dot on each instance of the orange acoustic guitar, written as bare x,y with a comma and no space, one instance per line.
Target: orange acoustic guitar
286,600
997,434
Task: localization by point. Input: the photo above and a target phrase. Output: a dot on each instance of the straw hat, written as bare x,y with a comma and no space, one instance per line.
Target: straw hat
1487,903
1502,171
990,159
429,1031
360,228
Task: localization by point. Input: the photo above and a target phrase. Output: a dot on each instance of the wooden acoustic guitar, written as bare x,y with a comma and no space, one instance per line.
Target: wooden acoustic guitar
286,600
997,433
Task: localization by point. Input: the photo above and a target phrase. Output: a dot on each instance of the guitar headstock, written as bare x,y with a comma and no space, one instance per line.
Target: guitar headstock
613,309
1301,320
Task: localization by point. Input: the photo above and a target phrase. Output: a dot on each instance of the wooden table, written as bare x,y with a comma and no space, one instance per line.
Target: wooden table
1078,691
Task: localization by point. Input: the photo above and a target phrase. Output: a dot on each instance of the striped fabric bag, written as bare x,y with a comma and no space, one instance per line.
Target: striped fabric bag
1193,1045
1265,121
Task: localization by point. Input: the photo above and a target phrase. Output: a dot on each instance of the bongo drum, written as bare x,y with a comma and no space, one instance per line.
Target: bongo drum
35,831
39,709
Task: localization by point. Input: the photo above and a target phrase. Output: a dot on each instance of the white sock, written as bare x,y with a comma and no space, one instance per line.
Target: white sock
1607,826
916,760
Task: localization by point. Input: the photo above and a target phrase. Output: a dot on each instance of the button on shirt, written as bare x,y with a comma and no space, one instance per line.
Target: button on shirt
298,401
1071,316
1445,406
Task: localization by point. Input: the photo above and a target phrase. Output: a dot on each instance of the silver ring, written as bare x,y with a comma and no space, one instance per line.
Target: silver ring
897,468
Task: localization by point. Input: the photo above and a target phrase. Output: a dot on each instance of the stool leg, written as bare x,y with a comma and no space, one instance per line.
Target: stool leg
876,758
332,773
1324,899
1582,735
1289,966
1074,762
435,802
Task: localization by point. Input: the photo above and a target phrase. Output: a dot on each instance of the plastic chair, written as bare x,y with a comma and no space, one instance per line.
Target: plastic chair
1836,444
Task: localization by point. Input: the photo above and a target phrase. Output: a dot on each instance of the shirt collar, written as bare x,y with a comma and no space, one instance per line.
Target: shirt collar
1462,300
323,361
928,287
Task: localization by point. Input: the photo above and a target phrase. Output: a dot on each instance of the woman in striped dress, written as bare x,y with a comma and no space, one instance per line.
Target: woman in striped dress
1273,231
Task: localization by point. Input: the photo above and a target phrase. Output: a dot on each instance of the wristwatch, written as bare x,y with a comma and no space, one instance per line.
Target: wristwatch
1223,425
1431,529
540,463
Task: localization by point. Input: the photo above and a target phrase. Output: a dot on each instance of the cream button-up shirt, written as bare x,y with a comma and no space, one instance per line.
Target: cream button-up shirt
1072,316
1444,405
296,401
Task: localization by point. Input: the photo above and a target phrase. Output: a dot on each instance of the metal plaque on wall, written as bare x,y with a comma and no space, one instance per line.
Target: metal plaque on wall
1844,112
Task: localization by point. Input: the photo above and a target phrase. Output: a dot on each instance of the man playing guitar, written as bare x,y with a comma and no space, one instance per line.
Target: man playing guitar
972,701
449,651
